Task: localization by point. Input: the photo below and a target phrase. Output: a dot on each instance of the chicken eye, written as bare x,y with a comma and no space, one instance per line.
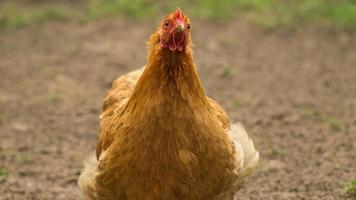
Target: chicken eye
188,26
166,24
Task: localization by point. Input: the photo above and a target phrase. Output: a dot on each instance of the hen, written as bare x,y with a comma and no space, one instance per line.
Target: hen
161,137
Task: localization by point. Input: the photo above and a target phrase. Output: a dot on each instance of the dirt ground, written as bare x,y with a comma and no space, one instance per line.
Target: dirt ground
295,92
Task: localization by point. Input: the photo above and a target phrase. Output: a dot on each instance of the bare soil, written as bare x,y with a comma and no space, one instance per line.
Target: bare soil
295,92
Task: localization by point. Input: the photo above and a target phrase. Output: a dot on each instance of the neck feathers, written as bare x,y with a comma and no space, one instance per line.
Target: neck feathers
169,77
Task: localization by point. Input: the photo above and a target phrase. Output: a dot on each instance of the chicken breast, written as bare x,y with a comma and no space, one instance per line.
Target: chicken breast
247,156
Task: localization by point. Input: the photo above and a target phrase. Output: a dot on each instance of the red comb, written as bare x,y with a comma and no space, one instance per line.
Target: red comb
179,13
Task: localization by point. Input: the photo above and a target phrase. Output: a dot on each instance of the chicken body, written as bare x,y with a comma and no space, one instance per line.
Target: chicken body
162,138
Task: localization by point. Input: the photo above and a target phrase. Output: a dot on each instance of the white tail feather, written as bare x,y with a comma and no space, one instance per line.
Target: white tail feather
86,178
250,154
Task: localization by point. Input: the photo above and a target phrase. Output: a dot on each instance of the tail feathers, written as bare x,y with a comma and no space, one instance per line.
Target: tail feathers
86,178
251,155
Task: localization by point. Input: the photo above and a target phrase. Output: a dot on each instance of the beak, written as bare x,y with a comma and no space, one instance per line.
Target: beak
180,27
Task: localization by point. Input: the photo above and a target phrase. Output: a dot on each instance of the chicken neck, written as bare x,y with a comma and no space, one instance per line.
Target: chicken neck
169,84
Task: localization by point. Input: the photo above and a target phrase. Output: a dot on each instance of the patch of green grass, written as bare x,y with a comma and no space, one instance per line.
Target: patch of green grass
268,13
14,15
335,124
344,14
3,174
271,13
52,97
24,158
260,166
137,9
212,9
351,188
275,152
226,72
54,74
236,103
308,112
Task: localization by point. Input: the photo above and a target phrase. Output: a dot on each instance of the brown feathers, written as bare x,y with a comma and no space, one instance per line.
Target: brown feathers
166,142
162,138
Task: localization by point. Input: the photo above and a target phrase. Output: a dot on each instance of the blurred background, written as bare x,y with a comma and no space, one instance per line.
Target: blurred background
285,68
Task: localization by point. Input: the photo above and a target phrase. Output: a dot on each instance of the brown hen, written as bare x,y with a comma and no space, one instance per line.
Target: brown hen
161,137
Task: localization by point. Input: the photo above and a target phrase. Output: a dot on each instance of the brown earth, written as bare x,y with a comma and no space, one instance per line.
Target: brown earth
295,92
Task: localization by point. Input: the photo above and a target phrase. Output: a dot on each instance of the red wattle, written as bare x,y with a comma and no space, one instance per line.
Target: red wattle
172,46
